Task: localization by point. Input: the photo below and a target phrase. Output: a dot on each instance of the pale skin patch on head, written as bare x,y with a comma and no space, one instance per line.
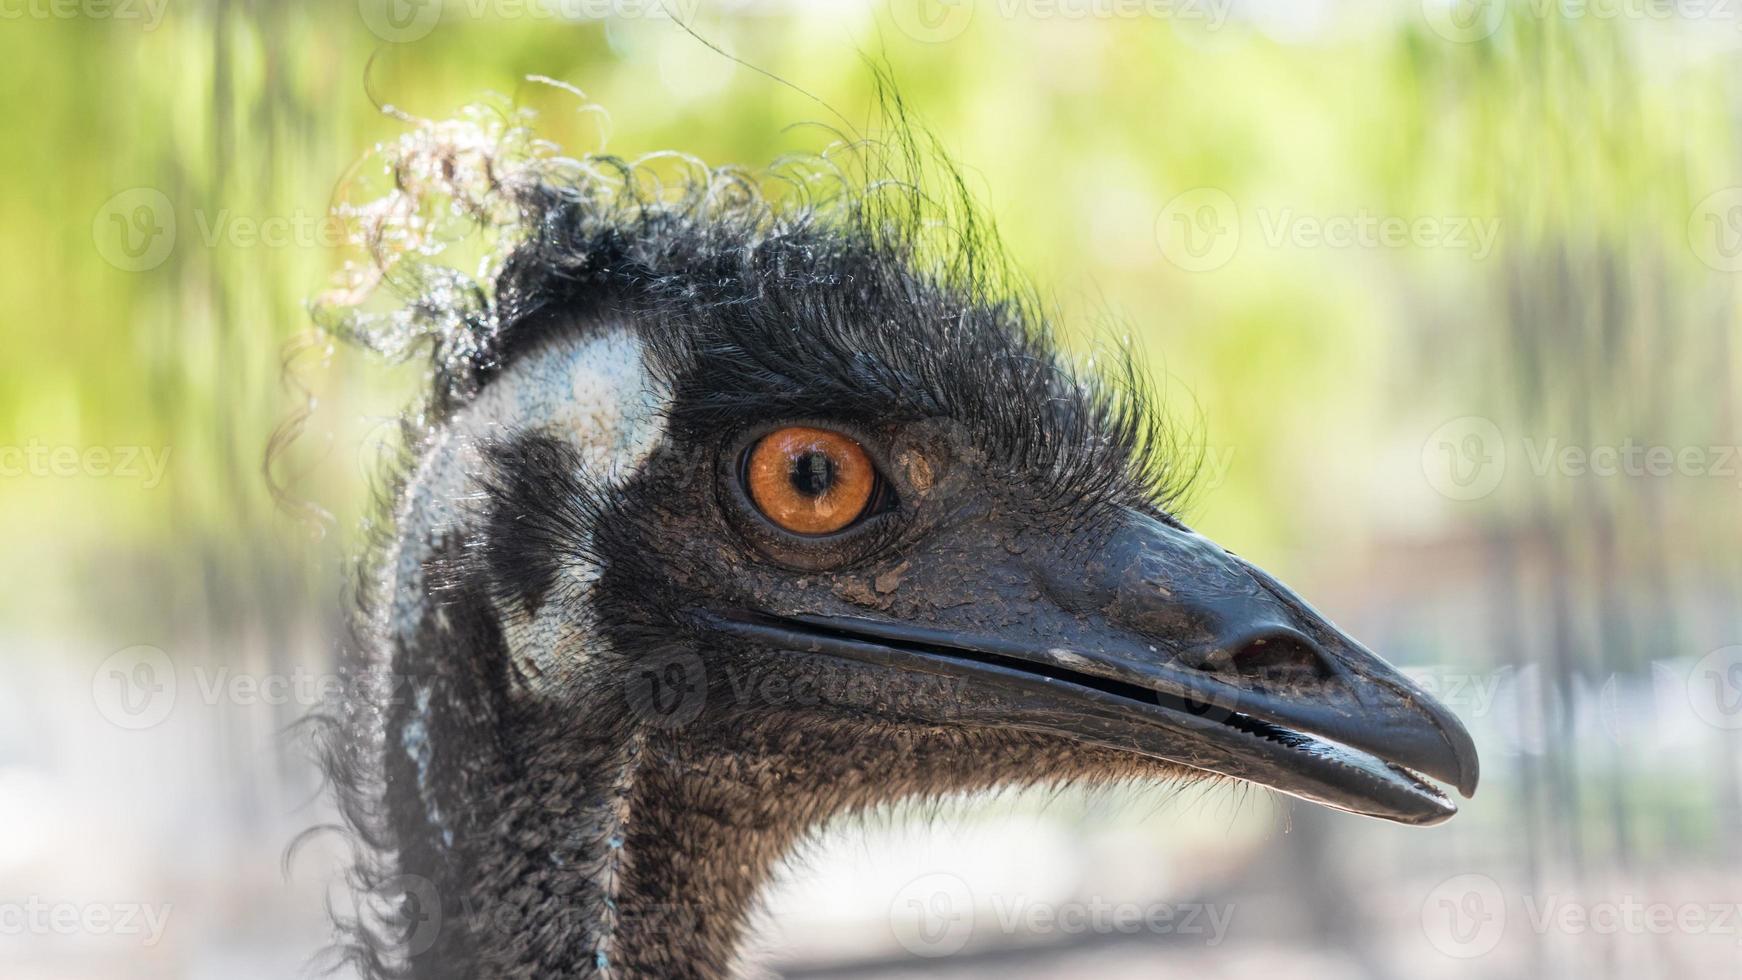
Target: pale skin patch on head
594,392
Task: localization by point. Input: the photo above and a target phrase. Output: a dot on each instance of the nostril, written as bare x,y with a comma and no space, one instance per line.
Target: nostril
1278,655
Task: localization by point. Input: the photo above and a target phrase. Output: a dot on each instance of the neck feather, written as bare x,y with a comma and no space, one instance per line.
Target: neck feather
558,846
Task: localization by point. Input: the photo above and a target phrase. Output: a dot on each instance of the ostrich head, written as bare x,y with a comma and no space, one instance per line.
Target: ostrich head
728,516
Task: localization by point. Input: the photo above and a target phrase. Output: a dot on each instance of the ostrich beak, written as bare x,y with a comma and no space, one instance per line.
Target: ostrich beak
1159,642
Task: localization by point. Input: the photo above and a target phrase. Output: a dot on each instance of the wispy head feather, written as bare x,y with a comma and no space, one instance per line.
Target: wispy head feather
862,277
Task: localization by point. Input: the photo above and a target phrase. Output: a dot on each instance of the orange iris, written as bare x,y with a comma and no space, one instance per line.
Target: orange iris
810,481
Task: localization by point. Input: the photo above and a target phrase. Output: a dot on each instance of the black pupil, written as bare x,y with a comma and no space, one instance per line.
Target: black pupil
813,473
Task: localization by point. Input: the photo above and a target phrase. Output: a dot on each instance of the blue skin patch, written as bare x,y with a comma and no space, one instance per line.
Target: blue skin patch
415,740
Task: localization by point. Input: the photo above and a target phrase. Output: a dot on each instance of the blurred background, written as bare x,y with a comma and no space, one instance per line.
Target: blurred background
1448,288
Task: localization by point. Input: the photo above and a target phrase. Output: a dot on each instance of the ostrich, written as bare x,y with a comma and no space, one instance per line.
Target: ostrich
727,514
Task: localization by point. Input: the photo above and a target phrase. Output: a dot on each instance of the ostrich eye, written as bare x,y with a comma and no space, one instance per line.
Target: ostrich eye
810,481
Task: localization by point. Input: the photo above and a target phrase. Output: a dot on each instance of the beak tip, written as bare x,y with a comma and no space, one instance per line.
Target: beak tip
1468,762
1459,765
1467,782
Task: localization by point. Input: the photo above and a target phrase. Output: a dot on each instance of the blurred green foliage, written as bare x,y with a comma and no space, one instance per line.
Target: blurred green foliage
1326,382
1315,375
